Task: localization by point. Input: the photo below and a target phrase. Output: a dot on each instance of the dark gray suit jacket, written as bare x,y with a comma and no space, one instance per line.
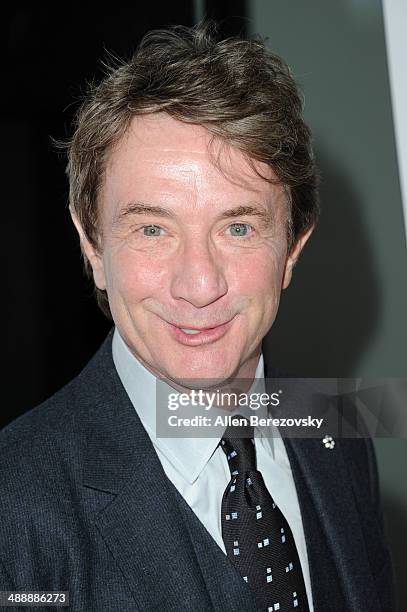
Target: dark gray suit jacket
85,506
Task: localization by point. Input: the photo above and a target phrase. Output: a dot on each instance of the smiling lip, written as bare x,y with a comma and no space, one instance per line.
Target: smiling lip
206,334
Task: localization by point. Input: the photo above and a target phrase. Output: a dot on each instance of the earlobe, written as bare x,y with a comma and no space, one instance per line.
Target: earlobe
287,275
293,256
90,253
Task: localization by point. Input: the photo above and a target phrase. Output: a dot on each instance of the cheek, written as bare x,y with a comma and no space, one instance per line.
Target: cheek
131,277
258,277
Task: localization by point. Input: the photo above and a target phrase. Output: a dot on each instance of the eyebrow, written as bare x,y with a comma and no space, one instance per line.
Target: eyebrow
140,208
253,211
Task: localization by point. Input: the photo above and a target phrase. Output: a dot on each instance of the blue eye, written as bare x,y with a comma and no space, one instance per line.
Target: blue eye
240,229
151,230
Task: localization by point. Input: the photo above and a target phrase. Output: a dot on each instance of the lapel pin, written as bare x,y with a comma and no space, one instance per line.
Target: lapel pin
328,442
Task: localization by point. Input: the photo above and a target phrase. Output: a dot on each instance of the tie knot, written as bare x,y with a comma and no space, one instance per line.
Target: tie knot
238,445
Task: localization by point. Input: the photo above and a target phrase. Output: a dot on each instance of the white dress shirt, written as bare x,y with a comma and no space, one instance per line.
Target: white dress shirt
198,467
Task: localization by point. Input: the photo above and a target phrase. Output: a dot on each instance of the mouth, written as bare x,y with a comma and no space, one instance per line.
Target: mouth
192,335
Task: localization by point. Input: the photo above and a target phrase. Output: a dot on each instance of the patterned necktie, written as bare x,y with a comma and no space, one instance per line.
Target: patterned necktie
257,537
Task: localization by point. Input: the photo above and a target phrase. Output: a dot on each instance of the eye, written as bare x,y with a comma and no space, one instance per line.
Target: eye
151,230
240,229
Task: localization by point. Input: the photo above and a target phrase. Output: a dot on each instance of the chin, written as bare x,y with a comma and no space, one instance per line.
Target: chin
198,375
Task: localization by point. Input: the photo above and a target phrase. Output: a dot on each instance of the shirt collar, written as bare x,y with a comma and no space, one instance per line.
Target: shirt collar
187,455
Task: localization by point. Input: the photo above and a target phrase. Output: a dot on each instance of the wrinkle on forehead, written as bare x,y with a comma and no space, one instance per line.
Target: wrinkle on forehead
181,162
159,132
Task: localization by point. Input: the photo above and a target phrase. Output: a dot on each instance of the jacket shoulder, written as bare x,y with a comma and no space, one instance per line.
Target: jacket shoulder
36,448
57,418
43,448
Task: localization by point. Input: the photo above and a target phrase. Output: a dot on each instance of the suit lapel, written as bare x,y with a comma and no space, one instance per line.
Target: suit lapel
331,521
137,514
143,531
323,480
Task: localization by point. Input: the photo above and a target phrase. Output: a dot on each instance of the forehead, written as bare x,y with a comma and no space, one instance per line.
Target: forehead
162,157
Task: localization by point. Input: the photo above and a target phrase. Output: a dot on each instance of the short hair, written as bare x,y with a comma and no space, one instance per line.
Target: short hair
236,88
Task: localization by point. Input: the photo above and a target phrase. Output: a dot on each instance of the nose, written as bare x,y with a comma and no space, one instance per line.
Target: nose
197,276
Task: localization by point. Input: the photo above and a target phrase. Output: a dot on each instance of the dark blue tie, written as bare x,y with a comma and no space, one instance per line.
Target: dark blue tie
257,537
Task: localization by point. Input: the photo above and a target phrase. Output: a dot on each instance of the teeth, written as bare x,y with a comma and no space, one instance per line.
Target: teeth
190,331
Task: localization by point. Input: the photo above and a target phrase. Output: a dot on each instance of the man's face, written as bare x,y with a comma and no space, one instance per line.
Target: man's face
184,245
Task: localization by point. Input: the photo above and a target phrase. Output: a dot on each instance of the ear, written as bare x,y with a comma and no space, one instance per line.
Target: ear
90,252
293,257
